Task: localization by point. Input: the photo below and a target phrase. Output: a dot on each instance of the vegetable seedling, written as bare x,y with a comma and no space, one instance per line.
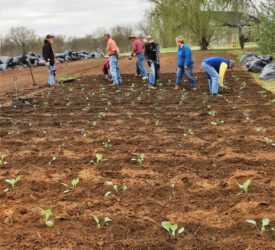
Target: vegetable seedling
74,184
115,188
2,160
265,224
140,159
12,183
172,229
54,158
47,215
245,186
100,158
105,221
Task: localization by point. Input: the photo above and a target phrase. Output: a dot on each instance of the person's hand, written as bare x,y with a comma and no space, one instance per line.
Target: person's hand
48,64
130,57
186,67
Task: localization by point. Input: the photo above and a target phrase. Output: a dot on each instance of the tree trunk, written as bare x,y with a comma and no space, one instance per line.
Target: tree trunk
204,44
241,38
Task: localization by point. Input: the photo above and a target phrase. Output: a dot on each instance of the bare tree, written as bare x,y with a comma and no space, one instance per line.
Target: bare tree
21,37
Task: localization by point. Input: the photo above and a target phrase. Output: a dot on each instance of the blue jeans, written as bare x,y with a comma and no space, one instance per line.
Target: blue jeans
140,65
213,75
154,73
115,71
189,73
52,73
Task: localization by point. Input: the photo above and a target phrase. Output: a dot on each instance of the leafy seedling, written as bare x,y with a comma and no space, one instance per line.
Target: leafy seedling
107,144
47,215
12,183
263,229
172,229
2,160
73,186
54,158
140,159
99,224
245,186
115,188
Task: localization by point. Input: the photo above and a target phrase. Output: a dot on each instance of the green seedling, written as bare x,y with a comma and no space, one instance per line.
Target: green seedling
47,215
172,229
73,186
54,158
2,160
12,183
268,141
173,191
115,188
107,144
105,221
100,158
245,186
212,113
66,79
263,229
217,122
140,159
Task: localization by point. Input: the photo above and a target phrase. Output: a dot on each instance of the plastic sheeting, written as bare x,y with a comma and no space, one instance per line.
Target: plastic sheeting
255,63
268,72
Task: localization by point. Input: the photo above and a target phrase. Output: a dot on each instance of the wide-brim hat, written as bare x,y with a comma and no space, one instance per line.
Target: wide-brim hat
132,36
148,39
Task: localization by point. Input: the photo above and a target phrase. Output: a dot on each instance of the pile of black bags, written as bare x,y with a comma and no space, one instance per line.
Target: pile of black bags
35,60
265,66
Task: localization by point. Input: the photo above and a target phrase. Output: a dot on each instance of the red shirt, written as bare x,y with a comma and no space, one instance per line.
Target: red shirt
138,46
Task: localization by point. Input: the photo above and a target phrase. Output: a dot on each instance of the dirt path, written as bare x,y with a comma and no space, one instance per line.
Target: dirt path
200,144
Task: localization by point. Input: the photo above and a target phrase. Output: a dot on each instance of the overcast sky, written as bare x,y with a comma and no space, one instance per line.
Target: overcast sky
69,17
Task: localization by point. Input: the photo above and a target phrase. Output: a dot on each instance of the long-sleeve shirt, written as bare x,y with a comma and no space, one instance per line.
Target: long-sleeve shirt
220,64
185,56
152,52
138,46
48,53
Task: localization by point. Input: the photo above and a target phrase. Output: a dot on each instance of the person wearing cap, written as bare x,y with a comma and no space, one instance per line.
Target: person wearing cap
152,55
216,67
138,50
49,57
185,64
114,54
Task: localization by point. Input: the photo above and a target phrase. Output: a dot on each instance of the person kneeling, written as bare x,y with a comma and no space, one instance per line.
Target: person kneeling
152,55
215,67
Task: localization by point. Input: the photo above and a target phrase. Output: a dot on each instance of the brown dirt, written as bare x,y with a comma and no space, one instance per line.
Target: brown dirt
204,163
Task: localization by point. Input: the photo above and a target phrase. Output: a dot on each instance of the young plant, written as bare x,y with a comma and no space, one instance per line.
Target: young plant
12,183
2,160
100,158
140,159
263,229
115,188
99,224
107,144
245,186
47,215
73,186
172,229
54,158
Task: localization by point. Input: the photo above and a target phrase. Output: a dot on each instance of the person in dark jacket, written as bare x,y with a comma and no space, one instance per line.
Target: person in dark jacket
152,55
216,67
49,57
185,64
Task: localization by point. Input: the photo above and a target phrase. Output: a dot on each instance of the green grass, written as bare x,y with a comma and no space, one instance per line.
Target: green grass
268,85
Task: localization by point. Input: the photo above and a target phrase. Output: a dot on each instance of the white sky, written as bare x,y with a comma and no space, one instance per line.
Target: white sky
69,17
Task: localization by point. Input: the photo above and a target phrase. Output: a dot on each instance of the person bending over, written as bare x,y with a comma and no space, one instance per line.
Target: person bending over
216,67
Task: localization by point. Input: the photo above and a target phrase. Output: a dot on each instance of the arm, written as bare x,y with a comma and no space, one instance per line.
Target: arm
187,56
223,68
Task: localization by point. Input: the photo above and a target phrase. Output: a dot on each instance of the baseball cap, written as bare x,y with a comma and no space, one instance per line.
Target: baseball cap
50,36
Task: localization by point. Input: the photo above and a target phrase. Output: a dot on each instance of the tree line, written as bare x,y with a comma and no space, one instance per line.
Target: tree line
199,21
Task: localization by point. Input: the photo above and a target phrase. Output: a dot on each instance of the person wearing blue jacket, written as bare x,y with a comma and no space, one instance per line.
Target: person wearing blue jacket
185,64
215,67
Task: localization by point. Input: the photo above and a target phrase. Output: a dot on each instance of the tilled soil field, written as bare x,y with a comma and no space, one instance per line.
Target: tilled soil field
196,149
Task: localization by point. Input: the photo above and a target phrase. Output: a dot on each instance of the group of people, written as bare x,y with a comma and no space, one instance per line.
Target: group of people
148,50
